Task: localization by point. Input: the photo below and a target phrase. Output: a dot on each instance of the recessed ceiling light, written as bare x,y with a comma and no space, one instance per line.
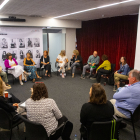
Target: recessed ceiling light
2,5
104,6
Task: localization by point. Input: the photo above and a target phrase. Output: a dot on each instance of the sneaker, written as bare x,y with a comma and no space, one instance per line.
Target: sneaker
115,88
82,77
92,78
21,83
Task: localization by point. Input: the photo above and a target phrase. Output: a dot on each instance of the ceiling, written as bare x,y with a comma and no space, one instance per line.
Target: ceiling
53,8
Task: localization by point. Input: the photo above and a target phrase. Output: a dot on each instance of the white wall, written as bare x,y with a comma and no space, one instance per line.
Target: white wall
42,22
137,53
70,42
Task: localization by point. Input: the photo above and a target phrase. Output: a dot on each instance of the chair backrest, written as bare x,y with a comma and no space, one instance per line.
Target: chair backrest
34,131
136,114
112,67
102,130
5,121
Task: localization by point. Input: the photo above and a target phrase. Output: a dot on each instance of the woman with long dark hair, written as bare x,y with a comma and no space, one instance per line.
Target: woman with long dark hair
122,73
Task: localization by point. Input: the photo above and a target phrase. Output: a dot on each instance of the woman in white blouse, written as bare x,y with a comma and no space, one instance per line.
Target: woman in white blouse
44,110
62,62
15,69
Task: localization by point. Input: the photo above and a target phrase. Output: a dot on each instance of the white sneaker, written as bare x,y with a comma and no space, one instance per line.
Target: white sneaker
21,83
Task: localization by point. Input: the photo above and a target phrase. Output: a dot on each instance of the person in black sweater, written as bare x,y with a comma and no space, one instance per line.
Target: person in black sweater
45,63
76,61
98,109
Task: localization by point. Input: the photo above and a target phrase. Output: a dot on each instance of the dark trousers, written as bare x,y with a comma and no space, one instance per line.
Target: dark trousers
101,72
64,131
48,68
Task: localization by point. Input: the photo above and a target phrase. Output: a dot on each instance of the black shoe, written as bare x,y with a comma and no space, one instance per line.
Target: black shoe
82,77
122,125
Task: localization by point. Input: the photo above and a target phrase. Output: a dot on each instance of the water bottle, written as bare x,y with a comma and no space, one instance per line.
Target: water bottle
75,138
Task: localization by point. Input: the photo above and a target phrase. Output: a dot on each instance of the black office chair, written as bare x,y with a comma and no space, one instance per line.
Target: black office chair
57,67
6,121
104,130
8,74
135,117
36,131
78,67
106,76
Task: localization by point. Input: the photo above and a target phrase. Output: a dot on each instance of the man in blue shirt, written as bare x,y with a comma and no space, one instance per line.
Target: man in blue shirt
93,62
127,97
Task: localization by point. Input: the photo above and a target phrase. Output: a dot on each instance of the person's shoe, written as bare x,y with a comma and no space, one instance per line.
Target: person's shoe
88,76
8,85
122,125
63,76
82,77
92,78
21,83
115,88
72,75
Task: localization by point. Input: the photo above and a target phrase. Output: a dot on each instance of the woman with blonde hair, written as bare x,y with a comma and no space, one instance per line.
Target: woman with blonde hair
62,62
76,61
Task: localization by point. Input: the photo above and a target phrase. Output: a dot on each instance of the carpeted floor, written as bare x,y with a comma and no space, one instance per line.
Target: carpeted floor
70,94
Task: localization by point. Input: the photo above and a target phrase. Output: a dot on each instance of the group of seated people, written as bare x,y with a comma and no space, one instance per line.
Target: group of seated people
40,108
30,70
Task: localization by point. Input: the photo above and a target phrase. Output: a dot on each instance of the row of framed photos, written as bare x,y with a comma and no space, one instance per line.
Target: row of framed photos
6,43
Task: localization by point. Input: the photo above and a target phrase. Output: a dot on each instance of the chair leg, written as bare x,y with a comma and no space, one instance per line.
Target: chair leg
134,130
17,127
10,133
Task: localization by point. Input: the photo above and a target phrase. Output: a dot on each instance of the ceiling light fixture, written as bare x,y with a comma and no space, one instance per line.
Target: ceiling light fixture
2,5
95,8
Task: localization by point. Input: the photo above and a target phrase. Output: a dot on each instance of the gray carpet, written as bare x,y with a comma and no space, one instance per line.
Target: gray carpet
70,94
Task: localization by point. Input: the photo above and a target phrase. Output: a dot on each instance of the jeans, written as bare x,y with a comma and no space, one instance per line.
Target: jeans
87,67
73,67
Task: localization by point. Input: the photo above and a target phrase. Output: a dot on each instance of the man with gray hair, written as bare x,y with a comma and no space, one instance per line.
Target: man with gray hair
127,97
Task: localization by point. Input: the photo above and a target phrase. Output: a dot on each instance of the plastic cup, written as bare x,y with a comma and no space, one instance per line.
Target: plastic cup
6,94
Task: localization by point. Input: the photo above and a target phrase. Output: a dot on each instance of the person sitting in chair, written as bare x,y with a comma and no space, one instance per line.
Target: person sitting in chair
127,97
122,73
104,68
15,69
45,111
29,66
93,62
62,62
45,63
98,109
76,61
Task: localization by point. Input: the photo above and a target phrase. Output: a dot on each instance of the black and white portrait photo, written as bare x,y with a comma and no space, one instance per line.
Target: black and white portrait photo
30,51
3,55
3,43
37,54
13,43
14,54
29,42
21,42
36,42
21,54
